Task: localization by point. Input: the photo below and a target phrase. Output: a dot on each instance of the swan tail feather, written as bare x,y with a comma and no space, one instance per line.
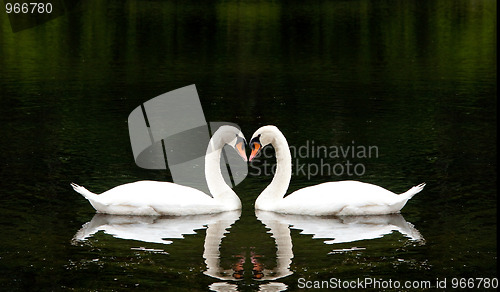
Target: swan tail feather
413,191
83,191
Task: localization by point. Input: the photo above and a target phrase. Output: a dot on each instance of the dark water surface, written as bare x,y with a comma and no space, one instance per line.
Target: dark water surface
416,79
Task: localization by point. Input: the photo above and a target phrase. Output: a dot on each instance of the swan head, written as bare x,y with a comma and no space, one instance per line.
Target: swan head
239,145
261,138
233,137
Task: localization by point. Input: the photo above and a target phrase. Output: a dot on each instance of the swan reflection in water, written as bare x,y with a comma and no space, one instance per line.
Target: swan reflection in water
332,230
211,254
152,229
161,229
339,229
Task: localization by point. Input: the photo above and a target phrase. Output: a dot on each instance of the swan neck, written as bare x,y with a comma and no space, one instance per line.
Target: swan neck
215,182
276,190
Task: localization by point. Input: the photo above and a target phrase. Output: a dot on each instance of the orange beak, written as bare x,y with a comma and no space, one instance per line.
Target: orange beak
255,151
241,151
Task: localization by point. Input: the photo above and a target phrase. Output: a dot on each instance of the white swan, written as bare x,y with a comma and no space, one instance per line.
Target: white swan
165,198
331,198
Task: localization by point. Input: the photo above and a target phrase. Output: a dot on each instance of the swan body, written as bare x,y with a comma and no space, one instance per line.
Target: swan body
331,198
165,198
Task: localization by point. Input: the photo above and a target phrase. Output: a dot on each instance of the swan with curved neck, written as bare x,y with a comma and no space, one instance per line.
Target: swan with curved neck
330,198
165,198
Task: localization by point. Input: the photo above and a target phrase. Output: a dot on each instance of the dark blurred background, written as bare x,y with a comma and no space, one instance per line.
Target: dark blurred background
415,78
